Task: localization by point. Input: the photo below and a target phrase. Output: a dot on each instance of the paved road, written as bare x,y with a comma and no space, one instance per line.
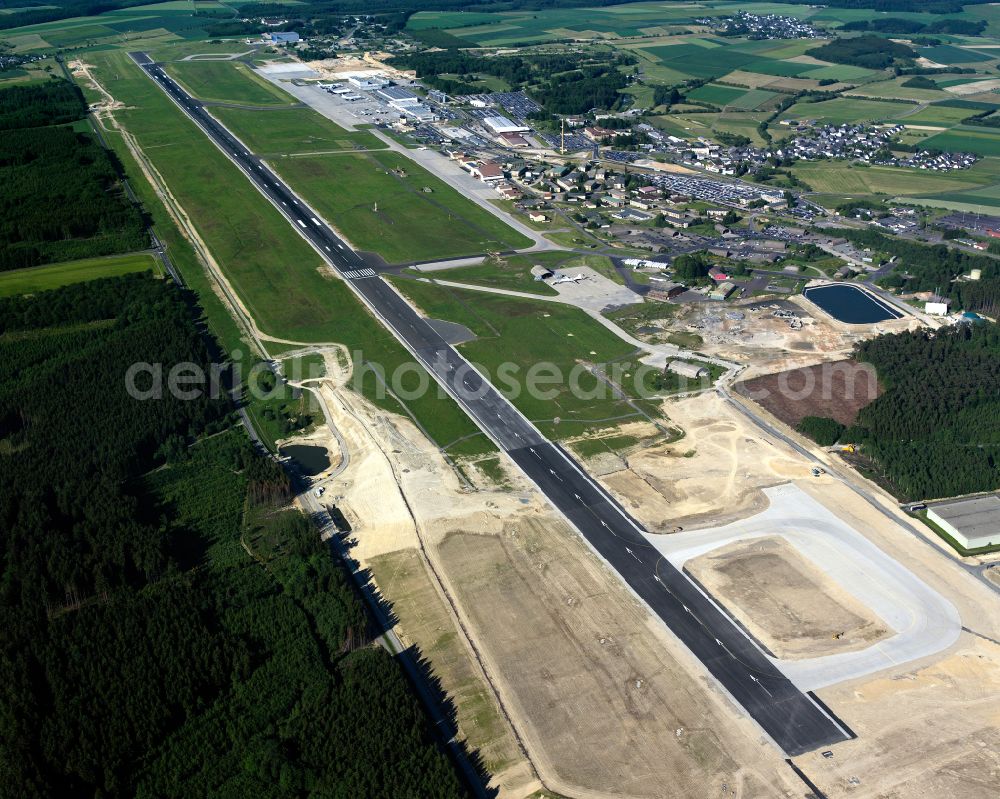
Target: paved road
790,717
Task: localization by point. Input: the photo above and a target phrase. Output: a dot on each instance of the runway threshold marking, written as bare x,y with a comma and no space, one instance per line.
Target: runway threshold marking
357,274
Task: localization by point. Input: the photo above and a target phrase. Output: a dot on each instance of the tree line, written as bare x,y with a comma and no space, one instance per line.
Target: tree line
935,429
60,199
934,268
54,102
960,27
168,627
870,52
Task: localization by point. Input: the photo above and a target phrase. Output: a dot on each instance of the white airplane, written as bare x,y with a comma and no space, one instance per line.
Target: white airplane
561,278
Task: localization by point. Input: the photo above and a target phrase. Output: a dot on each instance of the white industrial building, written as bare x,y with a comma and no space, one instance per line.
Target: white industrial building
398,96
937,306
973,523
421,113
499,124
367,83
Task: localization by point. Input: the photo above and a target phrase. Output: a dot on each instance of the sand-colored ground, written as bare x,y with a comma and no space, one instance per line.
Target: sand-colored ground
345,66
713,474
980,86
520,621
609,702
931,732
784,600
750,333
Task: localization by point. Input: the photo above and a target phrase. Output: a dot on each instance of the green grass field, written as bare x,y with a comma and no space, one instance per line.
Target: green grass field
276,274
524,333
844,72
292,130
984,141
228,82
840,177
409,224
511,272
514,271
753,99
844,109
717,95
52,276
935,114
947,54
895,88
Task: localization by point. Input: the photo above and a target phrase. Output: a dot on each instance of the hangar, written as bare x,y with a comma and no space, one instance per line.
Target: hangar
973,523
499,124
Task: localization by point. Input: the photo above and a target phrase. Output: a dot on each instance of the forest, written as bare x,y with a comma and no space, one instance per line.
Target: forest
169,627
934,268
935,430
960,27
870,52
55,102
60,196
821,429
563,84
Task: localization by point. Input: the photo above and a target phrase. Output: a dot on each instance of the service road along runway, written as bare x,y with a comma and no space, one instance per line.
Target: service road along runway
789,716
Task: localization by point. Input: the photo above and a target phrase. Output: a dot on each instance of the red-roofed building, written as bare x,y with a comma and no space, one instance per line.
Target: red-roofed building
488,173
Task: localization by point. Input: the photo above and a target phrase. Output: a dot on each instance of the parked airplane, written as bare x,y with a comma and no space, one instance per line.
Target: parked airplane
561,278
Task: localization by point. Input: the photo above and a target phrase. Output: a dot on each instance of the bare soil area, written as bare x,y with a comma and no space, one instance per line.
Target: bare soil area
838,390
713,475
533,637
607,700
427,624
750,332
933,731
784,600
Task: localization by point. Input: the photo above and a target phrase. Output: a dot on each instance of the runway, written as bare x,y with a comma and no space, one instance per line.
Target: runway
790,717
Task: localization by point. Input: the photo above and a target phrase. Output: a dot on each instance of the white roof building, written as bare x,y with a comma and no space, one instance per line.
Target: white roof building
398,96
971,522
499,124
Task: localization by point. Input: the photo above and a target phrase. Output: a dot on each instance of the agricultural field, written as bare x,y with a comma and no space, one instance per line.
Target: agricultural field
754,98
979,200
896,89
292,131
52,276
950,55
715,94
138,27
227,82
843,110
841,177
386,204
983,141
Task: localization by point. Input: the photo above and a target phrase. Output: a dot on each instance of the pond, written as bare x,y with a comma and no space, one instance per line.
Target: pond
310,459
851,304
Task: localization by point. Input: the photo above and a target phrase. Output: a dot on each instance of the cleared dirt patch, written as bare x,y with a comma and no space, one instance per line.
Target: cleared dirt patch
605,701
786,602
837,390
425,621
929,732
711,476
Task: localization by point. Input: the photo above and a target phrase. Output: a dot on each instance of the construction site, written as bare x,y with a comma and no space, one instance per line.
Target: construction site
563,681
